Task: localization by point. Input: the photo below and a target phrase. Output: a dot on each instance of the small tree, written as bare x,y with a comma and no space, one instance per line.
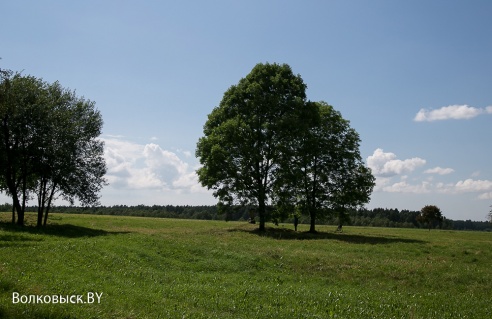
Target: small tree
489,215
430,214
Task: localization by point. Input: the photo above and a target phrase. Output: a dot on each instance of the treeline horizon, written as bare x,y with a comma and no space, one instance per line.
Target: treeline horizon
376,217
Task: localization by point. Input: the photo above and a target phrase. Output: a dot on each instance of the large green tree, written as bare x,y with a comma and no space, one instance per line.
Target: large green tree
324,172
19,112
240,150
72,165
48,144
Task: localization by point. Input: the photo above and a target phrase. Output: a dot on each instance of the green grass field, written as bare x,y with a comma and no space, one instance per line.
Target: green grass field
167,268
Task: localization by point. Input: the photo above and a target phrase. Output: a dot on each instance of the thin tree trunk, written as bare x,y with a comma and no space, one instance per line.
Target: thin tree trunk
262,211
11,179
312,205
261,197
20,220
312,228
41,201
49,204
12,186
13,213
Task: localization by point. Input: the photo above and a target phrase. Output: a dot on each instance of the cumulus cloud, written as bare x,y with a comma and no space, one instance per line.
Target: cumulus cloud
135,166
439,170
404,187
386,164
467,186
456,112
484,187
164,165
386,167
470,185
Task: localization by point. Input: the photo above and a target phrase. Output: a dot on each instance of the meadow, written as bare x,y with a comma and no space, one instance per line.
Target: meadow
170,268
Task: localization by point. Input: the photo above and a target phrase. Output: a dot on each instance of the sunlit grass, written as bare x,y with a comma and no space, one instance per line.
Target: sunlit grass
165,268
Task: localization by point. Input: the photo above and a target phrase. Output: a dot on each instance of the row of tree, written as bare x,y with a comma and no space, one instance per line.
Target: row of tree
48,145
266,145
377,217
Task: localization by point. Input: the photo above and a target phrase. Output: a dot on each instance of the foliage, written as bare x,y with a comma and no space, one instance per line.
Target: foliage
48,144
266,145
19,136
167,268
324,171
239,150
430,214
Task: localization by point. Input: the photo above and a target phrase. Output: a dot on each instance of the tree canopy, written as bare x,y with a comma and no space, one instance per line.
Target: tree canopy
324,172
430,214
239,151
265,144
48,144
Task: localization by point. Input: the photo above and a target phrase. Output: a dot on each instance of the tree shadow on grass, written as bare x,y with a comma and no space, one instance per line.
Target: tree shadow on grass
289,234
58,230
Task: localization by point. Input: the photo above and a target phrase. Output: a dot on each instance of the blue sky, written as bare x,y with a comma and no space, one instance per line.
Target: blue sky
413,77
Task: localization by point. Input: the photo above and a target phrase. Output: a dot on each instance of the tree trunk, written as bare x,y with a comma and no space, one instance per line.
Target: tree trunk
13,213
10,175
39,222
262,212
16,203
312,205
312,228
41,201
24,200
20,217
19,209
49,204
46,215
261,198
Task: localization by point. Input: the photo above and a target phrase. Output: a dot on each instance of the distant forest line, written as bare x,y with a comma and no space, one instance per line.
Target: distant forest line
377,217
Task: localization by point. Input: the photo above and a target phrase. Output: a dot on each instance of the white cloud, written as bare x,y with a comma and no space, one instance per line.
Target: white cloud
466,186
461,187
439,170
404,187
164,164
470,185
134,166
386,164
386,167
456,112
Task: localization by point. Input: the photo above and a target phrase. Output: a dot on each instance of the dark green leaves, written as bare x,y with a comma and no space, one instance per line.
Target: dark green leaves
48,143
239,151
265,144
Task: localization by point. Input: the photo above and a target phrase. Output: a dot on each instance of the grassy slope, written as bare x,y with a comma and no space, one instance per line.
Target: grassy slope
163,268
